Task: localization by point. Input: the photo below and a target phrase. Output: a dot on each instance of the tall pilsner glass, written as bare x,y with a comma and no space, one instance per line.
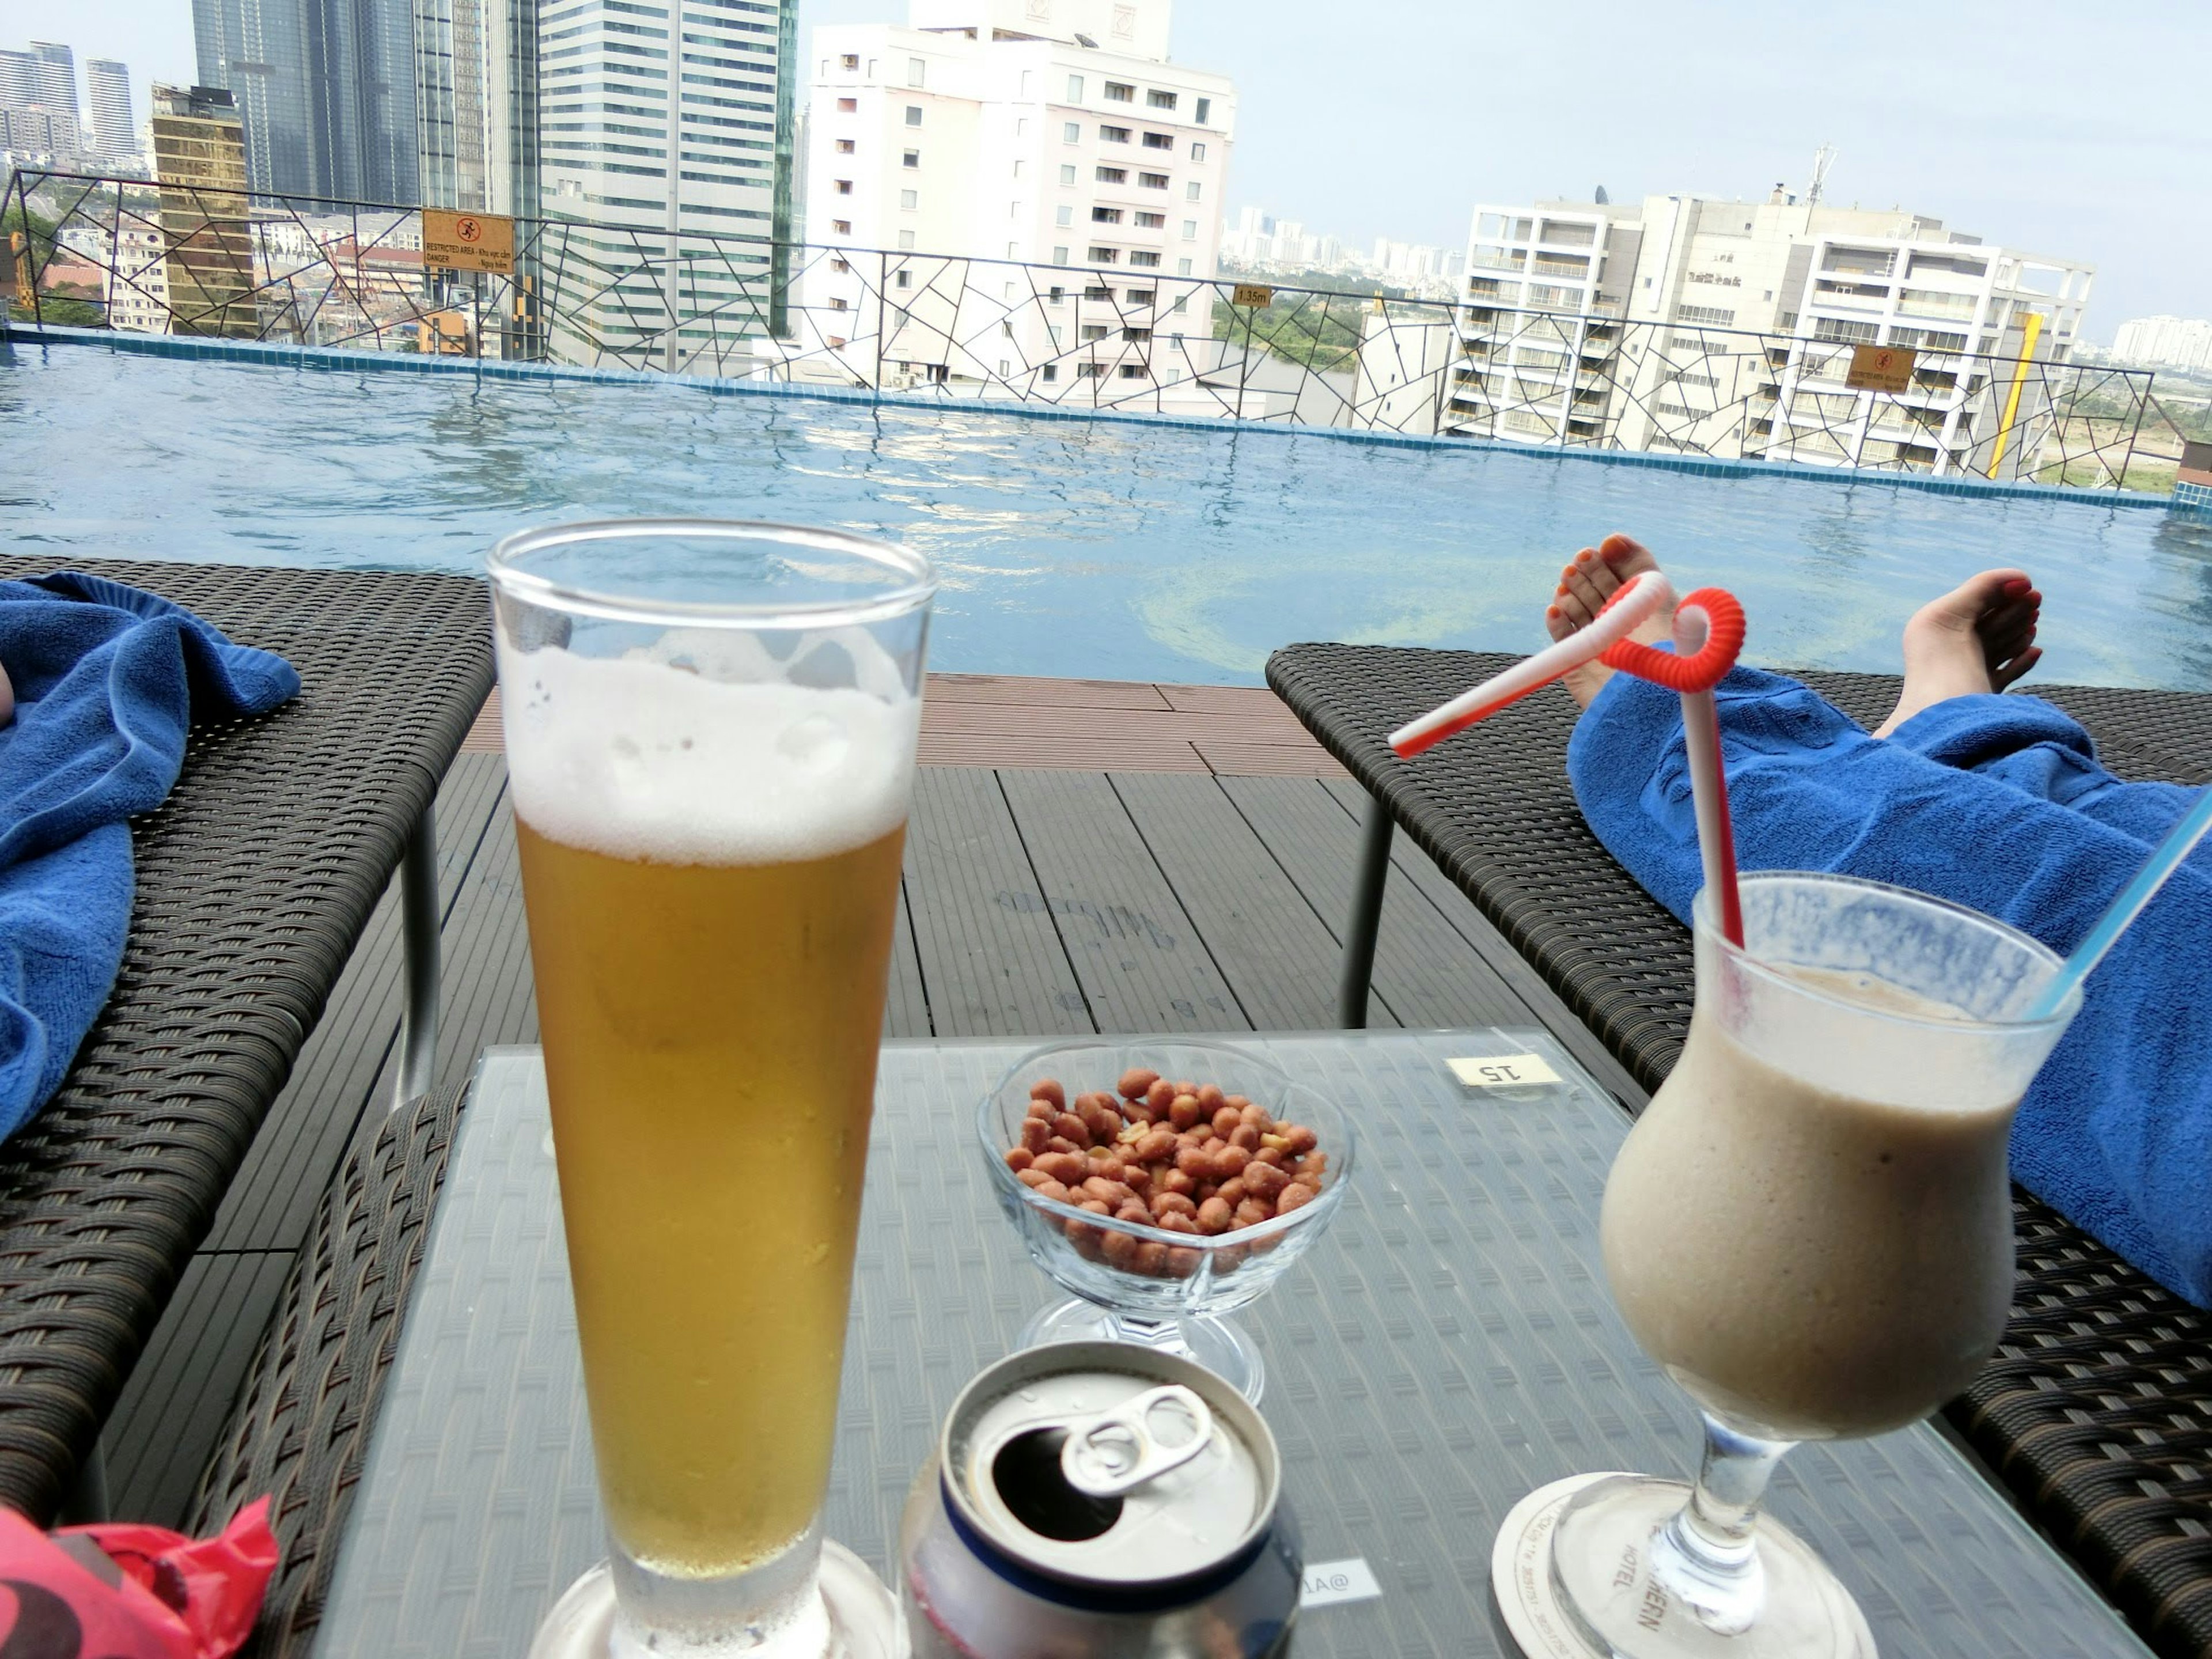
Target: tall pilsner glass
1810,1227
710,735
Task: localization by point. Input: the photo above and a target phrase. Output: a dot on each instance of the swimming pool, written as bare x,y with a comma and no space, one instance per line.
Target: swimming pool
1100,548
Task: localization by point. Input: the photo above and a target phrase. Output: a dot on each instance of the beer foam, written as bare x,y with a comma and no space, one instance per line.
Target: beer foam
638,758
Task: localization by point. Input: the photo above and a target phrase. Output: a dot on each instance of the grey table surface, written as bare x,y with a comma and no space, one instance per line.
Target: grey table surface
1447,1347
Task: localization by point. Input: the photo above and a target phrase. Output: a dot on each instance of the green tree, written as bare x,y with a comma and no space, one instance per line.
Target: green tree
39,232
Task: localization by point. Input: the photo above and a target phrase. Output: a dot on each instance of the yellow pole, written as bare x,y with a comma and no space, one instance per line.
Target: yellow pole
2030,333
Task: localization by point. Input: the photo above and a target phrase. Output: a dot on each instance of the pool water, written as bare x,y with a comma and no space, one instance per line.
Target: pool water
1102,548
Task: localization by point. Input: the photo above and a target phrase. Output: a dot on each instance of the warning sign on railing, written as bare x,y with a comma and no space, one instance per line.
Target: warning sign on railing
469,241
1880,368
1256,294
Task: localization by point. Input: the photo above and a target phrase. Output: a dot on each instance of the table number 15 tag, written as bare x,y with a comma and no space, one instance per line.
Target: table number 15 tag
1504,1071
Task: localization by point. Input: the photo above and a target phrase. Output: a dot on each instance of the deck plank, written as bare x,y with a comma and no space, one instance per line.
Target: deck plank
989,951
1410,864
906,1000
1278,954
175,1407
1143,966
1029,692
1426,973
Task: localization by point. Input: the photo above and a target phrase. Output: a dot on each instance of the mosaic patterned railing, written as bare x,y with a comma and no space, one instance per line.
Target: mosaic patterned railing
185,259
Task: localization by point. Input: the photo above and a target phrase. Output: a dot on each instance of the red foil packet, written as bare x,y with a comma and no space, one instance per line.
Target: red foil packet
123,1591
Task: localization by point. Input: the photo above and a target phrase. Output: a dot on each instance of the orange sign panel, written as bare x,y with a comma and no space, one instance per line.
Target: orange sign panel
468,241
1880,368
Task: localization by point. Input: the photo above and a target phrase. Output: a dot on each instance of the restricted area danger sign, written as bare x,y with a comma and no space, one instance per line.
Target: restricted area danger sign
1880,368
469,241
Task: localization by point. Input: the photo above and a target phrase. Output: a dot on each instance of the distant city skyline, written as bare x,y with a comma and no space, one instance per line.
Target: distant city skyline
2032,124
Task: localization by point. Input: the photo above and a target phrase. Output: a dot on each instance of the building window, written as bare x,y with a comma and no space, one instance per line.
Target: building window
1132,371
844,147
1071,133
839,305
914,115
1093,332
1153,181
1183,268
915,69
1138,296
1198,152
1160,141
1141,257
836,342
1103,215
844,187
851,60
1191,192
1050,372
1089,371
1136,334
1111,176
1151,220
1056,296
1090,294
906,238
1063,215
1202,111
841,227
1017,169
909,200
1014,209
847,106
1104,256
1075,89
1719,318
905,278
1004,368
1157,99
1067,173
1120,92
1113,134
1060,255
911,158
1190,230
842,266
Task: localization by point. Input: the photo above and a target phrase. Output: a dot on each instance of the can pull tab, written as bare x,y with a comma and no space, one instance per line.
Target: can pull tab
1140,1440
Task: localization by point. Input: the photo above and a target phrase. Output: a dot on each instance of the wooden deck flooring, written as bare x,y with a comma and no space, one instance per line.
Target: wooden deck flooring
1081,856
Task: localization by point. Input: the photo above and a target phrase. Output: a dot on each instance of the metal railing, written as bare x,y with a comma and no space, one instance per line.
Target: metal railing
177,258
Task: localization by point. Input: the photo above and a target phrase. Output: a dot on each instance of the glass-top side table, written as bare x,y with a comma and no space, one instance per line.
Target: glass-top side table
1447,1347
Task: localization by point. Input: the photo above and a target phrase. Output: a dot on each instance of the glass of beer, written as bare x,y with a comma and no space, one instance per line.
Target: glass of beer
710,735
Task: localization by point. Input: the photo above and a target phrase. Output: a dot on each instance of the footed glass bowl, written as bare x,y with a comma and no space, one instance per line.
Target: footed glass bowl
1135,1282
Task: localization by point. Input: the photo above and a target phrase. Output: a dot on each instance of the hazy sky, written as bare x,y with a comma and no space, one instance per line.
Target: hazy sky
2071,130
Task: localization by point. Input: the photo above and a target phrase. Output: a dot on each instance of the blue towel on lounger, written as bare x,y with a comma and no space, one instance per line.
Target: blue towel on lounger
1998,803
107,680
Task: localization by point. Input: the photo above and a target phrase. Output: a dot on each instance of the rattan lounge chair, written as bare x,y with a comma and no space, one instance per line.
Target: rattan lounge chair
255,879
2098,1411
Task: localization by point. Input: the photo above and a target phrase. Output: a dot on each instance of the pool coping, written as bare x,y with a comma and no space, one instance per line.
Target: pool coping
338,359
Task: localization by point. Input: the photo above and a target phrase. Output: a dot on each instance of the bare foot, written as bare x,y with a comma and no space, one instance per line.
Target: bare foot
1980,636
1593,576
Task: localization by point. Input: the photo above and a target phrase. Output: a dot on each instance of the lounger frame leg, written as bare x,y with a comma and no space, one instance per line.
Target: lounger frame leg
418,903
1366,918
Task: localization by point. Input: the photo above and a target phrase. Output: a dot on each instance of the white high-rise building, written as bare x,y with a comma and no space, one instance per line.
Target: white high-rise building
2164,343
113,132
38,94
1031,133
661,121
1745,304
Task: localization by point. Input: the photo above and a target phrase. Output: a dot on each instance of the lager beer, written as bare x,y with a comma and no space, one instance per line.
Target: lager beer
710,825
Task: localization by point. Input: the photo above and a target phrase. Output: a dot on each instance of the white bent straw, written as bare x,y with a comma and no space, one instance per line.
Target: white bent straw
1647,594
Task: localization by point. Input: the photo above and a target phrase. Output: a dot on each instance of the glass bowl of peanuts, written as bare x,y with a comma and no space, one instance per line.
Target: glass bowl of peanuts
1166,1184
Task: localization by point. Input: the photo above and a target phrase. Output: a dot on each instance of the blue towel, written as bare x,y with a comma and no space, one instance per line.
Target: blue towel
107,679
1995,802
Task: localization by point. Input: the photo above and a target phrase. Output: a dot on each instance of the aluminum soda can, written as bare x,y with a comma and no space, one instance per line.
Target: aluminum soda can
1099,1500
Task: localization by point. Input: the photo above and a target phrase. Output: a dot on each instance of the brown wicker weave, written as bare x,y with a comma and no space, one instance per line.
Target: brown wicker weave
254,880
2098,1410
299,1430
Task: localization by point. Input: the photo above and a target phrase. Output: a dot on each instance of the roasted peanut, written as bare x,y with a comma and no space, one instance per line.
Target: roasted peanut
1110,1192
1230,1161
1183,1110
1044,1110
1226,1122
1295,1196
1137,1178
1155,1145
1270,1155
1048,1088
1176,1221
1182,1260
1194,1162
1167,1204
1179,1182
1246,1136
1060,1144
1214,1216
1152,1258
1067,1167
1071,1128
1019,1158
1160,1094
1119,1250
1254,1211
1135,1081
1231,1192
1134,1211
1034,1134
1264,1180
1211,1097
1297,1139
1254,1116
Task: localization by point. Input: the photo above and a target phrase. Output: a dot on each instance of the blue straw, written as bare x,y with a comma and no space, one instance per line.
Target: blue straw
2124,909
